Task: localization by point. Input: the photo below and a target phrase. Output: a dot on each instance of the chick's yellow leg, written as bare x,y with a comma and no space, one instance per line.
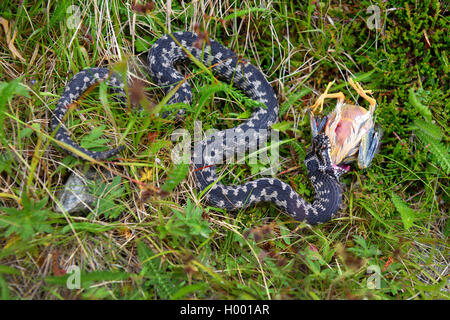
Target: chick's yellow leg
319,102
363,93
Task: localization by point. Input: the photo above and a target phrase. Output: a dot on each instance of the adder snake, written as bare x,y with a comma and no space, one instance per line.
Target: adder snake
163,55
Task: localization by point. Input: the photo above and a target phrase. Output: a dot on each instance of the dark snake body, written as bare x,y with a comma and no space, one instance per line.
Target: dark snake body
161,59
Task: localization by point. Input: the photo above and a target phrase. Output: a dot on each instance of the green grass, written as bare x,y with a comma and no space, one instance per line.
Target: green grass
144,243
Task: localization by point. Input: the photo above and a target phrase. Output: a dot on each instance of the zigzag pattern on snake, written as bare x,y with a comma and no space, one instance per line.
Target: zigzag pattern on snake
161,59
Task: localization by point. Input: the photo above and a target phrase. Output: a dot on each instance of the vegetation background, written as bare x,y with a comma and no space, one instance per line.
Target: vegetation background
150,235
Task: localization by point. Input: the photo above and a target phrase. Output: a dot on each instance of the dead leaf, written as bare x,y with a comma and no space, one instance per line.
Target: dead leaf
57,271
9,40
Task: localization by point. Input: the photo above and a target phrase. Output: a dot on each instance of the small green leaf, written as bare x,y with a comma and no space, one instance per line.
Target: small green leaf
8,269
92,140
197,287
407,214
141,45
364,248
447,229
4,289
26,132
244,115
7,91
28,221
285,232
176,176
206,92
87,226
244,12
6,161
283,125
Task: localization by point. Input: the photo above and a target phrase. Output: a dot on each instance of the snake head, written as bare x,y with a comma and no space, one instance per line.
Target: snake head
319,158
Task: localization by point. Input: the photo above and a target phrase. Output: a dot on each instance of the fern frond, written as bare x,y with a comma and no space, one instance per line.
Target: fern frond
415,102
437,149
299,149
428,128
176,176
151,269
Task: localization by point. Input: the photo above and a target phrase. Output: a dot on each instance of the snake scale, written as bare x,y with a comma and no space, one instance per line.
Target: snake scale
163,55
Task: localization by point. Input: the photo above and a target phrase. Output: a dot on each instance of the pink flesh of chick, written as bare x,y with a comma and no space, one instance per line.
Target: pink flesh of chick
347,133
